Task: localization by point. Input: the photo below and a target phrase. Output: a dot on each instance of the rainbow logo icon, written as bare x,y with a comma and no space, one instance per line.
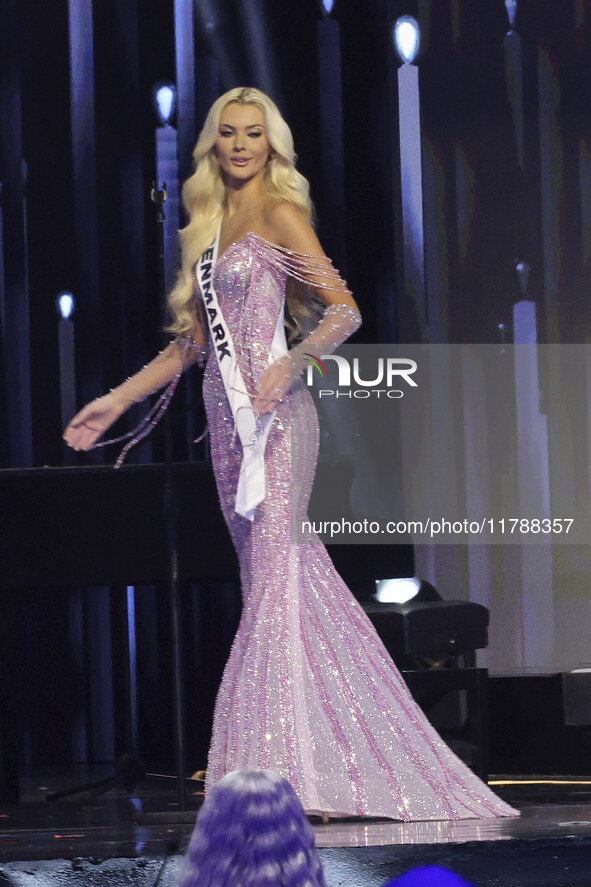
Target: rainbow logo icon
316,363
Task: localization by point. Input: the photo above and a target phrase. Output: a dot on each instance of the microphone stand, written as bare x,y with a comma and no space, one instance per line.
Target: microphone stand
158,197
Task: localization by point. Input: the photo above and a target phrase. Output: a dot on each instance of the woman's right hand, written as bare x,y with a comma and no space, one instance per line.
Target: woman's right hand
93,420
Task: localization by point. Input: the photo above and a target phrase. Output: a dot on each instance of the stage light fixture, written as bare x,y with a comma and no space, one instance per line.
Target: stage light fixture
65,304
407,38
327,6
511,7
164,98
397,591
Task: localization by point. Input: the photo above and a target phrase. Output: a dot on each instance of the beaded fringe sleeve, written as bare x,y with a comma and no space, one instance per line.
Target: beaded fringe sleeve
337,323
317,272
184,352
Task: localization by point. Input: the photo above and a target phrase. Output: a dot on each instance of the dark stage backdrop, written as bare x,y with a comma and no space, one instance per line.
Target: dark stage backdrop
77,159
488,206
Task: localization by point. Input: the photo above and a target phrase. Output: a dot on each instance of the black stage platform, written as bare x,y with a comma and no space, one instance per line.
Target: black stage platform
106,841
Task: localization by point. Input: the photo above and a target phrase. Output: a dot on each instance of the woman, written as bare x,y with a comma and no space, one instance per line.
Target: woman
252,832
309,690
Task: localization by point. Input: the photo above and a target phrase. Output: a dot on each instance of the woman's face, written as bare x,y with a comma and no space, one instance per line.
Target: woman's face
241,145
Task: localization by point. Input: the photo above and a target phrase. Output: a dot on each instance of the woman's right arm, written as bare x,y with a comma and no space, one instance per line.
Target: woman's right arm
97,416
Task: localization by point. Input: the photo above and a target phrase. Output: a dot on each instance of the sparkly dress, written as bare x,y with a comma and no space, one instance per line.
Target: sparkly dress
309,690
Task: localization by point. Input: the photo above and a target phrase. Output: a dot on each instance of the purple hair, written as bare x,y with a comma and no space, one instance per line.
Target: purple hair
252,832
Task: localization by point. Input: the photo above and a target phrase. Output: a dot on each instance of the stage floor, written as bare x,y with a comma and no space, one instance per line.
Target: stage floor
125,839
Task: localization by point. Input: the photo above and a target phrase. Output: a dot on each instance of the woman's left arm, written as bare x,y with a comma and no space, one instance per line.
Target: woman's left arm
309,263
294,233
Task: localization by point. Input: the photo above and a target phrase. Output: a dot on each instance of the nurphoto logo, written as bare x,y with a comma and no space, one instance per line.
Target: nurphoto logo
389,370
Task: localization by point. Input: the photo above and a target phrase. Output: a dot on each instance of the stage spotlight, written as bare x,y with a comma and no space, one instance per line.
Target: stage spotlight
164,98
407,38
400,591
327,6
65,304
397,591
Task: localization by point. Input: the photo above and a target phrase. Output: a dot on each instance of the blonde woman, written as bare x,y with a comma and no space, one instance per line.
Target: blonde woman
308,690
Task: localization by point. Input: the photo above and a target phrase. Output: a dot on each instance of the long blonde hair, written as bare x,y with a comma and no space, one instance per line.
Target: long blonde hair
204,194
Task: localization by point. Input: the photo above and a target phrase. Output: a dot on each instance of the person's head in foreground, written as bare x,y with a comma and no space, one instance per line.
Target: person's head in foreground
252,832
429,876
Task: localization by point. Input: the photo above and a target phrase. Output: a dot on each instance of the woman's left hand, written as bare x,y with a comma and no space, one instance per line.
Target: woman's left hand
272,387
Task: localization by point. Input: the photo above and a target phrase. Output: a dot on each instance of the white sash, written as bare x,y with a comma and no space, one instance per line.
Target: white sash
252,431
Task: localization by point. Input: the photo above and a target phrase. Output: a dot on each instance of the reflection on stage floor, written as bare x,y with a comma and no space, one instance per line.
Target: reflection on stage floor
119,834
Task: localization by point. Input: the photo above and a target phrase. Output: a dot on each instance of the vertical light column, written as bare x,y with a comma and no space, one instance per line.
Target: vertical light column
167,177
442,565
407,41
14,296
514,79
436,239
65,305
533,478
331,134
552,188
167,165
65,332
133,681
137,324
101,737
184,41
82,116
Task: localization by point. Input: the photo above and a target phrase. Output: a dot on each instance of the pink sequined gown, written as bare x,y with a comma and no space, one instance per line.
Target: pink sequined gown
309,690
